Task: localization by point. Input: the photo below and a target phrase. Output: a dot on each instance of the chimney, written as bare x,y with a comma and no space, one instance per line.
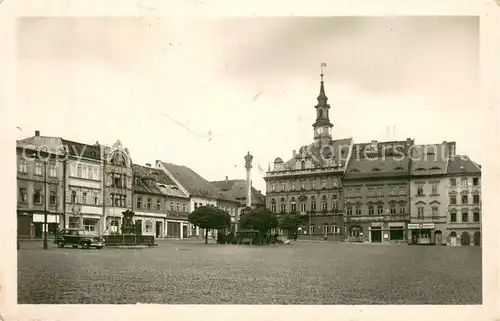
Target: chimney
451,149
37,133
294,153
148,164
227,180
409,141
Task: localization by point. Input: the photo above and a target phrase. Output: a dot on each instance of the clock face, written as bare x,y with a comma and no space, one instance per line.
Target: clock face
320,131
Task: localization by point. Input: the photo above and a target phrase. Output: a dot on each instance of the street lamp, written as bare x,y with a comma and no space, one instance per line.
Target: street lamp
45,224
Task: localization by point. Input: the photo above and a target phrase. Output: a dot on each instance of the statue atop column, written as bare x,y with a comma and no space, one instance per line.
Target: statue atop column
248,161
248,166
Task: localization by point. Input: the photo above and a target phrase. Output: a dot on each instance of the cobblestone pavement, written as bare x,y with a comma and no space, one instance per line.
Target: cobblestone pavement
177,272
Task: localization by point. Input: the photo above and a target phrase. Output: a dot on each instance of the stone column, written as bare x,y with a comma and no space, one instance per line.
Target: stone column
248,166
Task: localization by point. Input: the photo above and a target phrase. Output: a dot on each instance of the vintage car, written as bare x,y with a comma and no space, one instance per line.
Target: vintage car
79,237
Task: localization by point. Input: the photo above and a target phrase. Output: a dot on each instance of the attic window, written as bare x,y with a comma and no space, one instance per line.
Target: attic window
175,188
420,169
93,154
435,168
399,168
376,169
354,170
162,186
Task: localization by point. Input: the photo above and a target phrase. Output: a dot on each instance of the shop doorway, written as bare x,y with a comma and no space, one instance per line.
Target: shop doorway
38,230
356,234
453,238
138,227
184,231
438,237
376,235
477,238
396,233
465,238
158,229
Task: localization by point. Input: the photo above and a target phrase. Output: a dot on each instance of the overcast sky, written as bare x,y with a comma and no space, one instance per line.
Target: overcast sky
163,86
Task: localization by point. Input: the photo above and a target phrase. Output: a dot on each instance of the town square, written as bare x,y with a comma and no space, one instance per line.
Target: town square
254,174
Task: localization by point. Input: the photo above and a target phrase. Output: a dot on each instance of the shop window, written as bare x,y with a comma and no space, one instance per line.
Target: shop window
89,225
148,226
74,222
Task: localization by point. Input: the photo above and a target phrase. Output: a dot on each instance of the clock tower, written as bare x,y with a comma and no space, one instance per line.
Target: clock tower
322,126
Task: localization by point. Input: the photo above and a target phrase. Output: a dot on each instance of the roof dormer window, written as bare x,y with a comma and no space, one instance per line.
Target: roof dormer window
376,169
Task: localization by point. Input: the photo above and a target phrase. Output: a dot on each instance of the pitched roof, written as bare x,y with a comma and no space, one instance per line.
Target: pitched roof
78,149
320,154
429,159
462,164
154,181
52,144
237,189
379,159
226,196
191,181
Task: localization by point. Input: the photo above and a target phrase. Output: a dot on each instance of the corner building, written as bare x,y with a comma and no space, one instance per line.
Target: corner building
376,192
310,183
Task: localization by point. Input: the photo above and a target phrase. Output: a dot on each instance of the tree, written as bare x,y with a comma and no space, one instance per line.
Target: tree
259,219
209,217
292,222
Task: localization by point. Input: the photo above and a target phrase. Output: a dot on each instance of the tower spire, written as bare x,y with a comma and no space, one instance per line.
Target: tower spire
322,95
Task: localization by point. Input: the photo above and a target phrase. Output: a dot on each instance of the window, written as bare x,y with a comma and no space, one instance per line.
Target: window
273,187
402,191
465,199
184,207
371,192
334,229
283,186
117,180
464,182
303,185
303,165
23,195
420,213
465,217
420,190
334,205
325,228
324,205
476,217
349,210
139,202
74,222
393,192
273,205
89,225
350,193
79,171
52,170
453,181
358,210
84,198
370,210
96,200
149,204
475,199
313,204
453,217
380,192
283,207
158,205
402,209
380,209
434,189
435,211
37,196
323,184
311,229
293,186
393,208
293,205
23,168
453,200
74,199
149,226
358,192
38,168
302,207
475,181
313,184
85,172
178,206
171,205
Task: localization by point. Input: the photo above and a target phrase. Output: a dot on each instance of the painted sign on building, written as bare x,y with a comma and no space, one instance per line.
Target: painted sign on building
414,226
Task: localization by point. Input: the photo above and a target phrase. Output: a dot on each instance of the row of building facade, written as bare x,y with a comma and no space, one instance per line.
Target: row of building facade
90,186
393,191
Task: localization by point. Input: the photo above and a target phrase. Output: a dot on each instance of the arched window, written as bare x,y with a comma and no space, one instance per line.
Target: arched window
293,205
303,165
320,113
273,205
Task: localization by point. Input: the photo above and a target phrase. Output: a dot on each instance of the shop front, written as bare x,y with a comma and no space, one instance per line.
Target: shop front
421,233
52,224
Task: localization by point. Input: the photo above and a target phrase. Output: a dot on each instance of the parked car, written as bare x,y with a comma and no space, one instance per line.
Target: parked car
79,237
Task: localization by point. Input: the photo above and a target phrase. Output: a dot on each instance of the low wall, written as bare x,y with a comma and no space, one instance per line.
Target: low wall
129,239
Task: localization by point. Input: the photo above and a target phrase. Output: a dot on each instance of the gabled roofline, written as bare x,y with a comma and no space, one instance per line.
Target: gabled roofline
160,165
